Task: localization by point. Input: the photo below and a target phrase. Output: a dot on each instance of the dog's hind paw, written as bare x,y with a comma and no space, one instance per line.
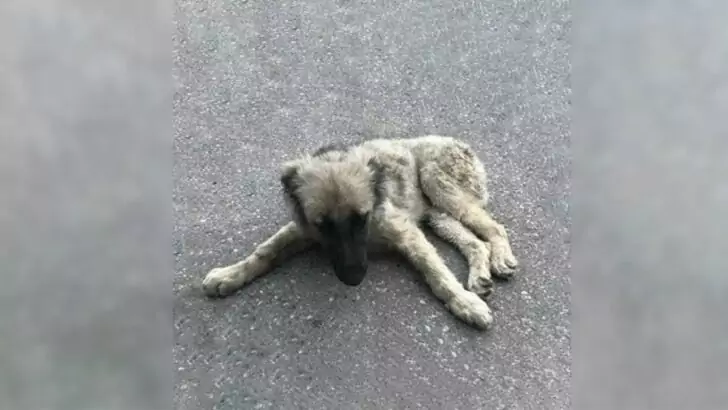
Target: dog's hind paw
502,263
221,282
471,309
480,283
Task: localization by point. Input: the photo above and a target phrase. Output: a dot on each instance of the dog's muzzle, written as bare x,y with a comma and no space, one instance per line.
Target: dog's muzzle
351,275
350,265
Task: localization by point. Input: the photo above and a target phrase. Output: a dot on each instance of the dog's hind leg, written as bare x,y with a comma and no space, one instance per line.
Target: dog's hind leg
285,243
475,250
404,235
454,180
502,261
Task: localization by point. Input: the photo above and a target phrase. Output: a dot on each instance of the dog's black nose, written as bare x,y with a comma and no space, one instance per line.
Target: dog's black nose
350,282
352,275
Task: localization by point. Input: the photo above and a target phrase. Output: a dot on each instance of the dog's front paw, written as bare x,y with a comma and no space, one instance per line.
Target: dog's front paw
221,282
502,262
471,309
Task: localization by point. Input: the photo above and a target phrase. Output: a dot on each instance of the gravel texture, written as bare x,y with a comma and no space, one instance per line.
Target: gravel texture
257,83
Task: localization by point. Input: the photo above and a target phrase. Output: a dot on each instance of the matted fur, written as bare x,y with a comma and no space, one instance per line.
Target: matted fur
378,193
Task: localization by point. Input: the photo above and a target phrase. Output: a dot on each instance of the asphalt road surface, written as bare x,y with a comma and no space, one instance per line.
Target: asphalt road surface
257,83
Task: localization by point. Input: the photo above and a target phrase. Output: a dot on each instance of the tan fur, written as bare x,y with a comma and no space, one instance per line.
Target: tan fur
399,183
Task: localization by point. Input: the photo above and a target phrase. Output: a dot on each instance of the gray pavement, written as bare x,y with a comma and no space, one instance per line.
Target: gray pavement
257,83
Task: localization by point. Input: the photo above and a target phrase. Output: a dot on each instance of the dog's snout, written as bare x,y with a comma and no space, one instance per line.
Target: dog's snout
350,272
351,275
349,261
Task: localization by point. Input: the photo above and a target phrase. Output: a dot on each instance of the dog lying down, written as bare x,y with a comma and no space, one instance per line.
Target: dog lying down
351,199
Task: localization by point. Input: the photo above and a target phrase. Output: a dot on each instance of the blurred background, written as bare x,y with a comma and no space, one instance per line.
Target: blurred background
85,218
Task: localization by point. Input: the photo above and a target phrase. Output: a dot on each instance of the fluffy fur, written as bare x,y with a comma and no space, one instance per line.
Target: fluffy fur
378,193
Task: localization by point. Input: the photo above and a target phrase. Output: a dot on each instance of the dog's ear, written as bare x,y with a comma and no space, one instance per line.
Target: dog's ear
377,181
333,147
291,182
289,174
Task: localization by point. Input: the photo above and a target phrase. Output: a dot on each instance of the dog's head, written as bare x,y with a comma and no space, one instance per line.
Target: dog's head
332,200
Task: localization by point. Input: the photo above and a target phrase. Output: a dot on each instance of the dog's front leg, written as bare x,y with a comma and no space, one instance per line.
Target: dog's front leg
409,239
285,243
